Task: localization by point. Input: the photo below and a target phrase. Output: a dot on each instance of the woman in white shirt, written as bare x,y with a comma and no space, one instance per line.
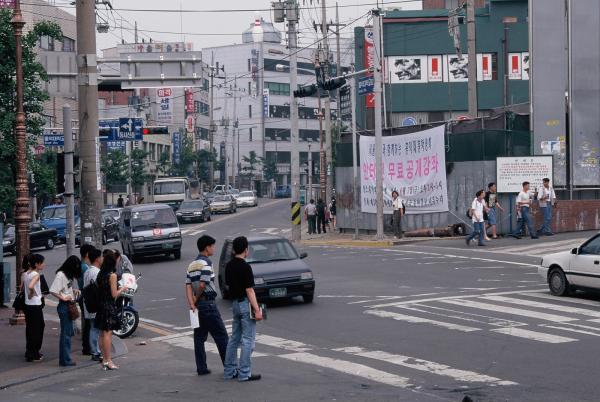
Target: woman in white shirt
62,289
398,212
34,316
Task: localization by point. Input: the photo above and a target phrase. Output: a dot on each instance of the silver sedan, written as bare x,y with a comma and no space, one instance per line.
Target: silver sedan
247,199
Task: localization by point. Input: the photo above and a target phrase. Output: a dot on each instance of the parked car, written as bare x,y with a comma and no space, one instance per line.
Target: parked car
283,192
150,229
39,236
578,268
114,212
193,210
223,203
209,197
235,193
247,199
110,229
55,217
279,271
221,188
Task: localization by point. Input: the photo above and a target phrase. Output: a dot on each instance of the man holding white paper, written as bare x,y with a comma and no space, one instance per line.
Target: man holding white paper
201,294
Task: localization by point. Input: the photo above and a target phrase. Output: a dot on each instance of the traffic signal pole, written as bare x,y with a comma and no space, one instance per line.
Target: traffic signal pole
292,18
378,122
327,164
91,185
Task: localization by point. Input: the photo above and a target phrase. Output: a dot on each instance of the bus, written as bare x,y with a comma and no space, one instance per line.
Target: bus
171,190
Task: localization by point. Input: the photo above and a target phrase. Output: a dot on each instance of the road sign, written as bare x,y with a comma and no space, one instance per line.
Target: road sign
130,129
114,129
345,103
54,140
366,85
151,70
190,124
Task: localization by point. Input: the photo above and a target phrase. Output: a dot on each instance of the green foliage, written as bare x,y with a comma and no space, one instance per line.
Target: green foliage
44,169
204,158
163,165
139,176
270,170
34,74
251,161
187,157
115,168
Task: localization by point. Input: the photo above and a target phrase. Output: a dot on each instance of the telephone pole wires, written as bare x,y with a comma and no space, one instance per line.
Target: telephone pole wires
91,184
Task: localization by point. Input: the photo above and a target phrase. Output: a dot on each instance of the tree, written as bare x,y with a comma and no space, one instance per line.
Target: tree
34,97
115,167
164,164
139,176
251,160
44,170
270,170
203,161
187,157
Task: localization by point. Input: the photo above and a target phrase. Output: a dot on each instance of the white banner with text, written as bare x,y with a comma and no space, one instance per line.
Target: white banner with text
414,165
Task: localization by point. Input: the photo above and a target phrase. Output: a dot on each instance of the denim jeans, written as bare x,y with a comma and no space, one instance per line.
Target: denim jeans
66,332
478,230
210,322
547,226
525,220
94,334
312,224
243,332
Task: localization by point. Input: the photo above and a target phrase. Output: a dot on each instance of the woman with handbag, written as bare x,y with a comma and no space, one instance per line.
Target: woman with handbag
62,289
107,317
34,316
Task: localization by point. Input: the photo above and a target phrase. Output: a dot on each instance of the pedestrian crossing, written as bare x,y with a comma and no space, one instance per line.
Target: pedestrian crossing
538,249
533,315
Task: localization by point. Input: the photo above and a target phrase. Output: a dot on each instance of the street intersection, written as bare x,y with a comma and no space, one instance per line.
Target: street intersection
432,320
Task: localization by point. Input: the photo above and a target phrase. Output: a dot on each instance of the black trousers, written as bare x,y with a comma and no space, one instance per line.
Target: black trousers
34,331
85,331
321,223
210,323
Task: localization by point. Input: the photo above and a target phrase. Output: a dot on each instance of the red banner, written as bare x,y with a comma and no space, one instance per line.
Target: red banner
189,100
369,61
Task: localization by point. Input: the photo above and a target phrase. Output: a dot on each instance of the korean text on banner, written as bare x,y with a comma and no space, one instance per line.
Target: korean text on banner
414,165
369,62
164,101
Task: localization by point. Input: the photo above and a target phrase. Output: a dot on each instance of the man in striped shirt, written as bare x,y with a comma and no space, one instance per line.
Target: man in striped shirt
201,294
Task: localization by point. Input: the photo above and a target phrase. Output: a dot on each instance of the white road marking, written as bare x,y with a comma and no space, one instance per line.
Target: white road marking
426,366
549,306
161,300
420,320
566,299
578,331
197,232
160,324
347,367
509,310
282,343
481,318
533,335
187,342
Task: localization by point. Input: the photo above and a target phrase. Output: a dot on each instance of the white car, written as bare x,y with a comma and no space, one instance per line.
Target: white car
575,269
247,199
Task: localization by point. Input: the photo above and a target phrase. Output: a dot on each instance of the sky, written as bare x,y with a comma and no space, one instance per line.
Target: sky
206,29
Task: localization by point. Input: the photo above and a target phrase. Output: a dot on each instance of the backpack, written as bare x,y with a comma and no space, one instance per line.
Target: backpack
91,297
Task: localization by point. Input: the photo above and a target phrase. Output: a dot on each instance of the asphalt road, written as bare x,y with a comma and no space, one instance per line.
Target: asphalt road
433,321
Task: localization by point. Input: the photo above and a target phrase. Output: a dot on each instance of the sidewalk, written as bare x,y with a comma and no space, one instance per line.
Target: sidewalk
15,370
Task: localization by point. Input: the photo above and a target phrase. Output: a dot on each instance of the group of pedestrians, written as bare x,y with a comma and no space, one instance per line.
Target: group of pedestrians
320,216
93,268
485,208
201,294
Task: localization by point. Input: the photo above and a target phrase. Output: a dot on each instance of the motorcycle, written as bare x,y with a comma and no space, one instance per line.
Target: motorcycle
128,314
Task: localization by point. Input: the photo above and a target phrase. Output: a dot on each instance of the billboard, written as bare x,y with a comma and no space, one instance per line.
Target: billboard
164,102
512,171
369,61
407,69
435,69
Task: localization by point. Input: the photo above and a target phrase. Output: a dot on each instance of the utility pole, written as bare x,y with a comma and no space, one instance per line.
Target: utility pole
339,65
355,192
22,217
234,128
211,128
91,184
328,141
472,66
310,175
322,172
292,19
378,123
69,190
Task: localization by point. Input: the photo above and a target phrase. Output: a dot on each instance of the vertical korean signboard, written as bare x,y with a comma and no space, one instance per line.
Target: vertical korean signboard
414,165
176,147
266,103
369,61
189,101
164,101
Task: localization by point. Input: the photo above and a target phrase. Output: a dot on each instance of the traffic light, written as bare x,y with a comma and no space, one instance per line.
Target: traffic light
155,130
334,83
305,91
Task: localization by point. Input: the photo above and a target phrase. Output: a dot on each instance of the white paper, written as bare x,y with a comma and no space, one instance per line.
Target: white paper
194,321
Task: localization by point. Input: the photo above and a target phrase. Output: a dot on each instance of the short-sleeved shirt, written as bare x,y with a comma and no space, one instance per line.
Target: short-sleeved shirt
311,209
548,194
62,285
201,270
239,277
36,300
523,198
491,199
80,283
477,206
397,204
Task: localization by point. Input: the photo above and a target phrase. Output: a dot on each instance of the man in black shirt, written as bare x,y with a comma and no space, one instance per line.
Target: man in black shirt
240,280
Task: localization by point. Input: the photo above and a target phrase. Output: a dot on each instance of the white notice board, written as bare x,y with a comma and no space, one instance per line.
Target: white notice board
512,171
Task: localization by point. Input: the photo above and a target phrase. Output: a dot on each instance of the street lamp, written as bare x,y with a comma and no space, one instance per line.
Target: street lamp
22,217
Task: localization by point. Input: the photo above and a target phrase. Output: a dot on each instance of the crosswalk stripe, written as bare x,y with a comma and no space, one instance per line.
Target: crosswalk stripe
533,335
426,366
576,330
509,310
282,343
351,368
549,306
549,246
420,320
566,299
464,316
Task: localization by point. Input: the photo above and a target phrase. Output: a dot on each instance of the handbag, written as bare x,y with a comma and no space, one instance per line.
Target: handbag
73,311
19,302
44,285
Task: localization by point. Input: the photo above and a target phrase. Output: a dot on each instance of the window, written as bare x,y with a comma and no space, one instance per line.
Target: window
249,65
312,135
591,247
68,44
46,43
277,134
279,111
276,88
249,110
249,88
250,134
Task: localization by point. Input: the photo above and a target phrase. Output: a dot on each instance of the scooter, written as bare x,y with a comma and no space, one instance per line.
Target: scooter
128,314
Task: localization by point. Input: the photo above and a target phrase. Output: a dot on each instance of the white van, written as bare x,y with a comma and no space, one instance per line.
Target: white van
149,229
